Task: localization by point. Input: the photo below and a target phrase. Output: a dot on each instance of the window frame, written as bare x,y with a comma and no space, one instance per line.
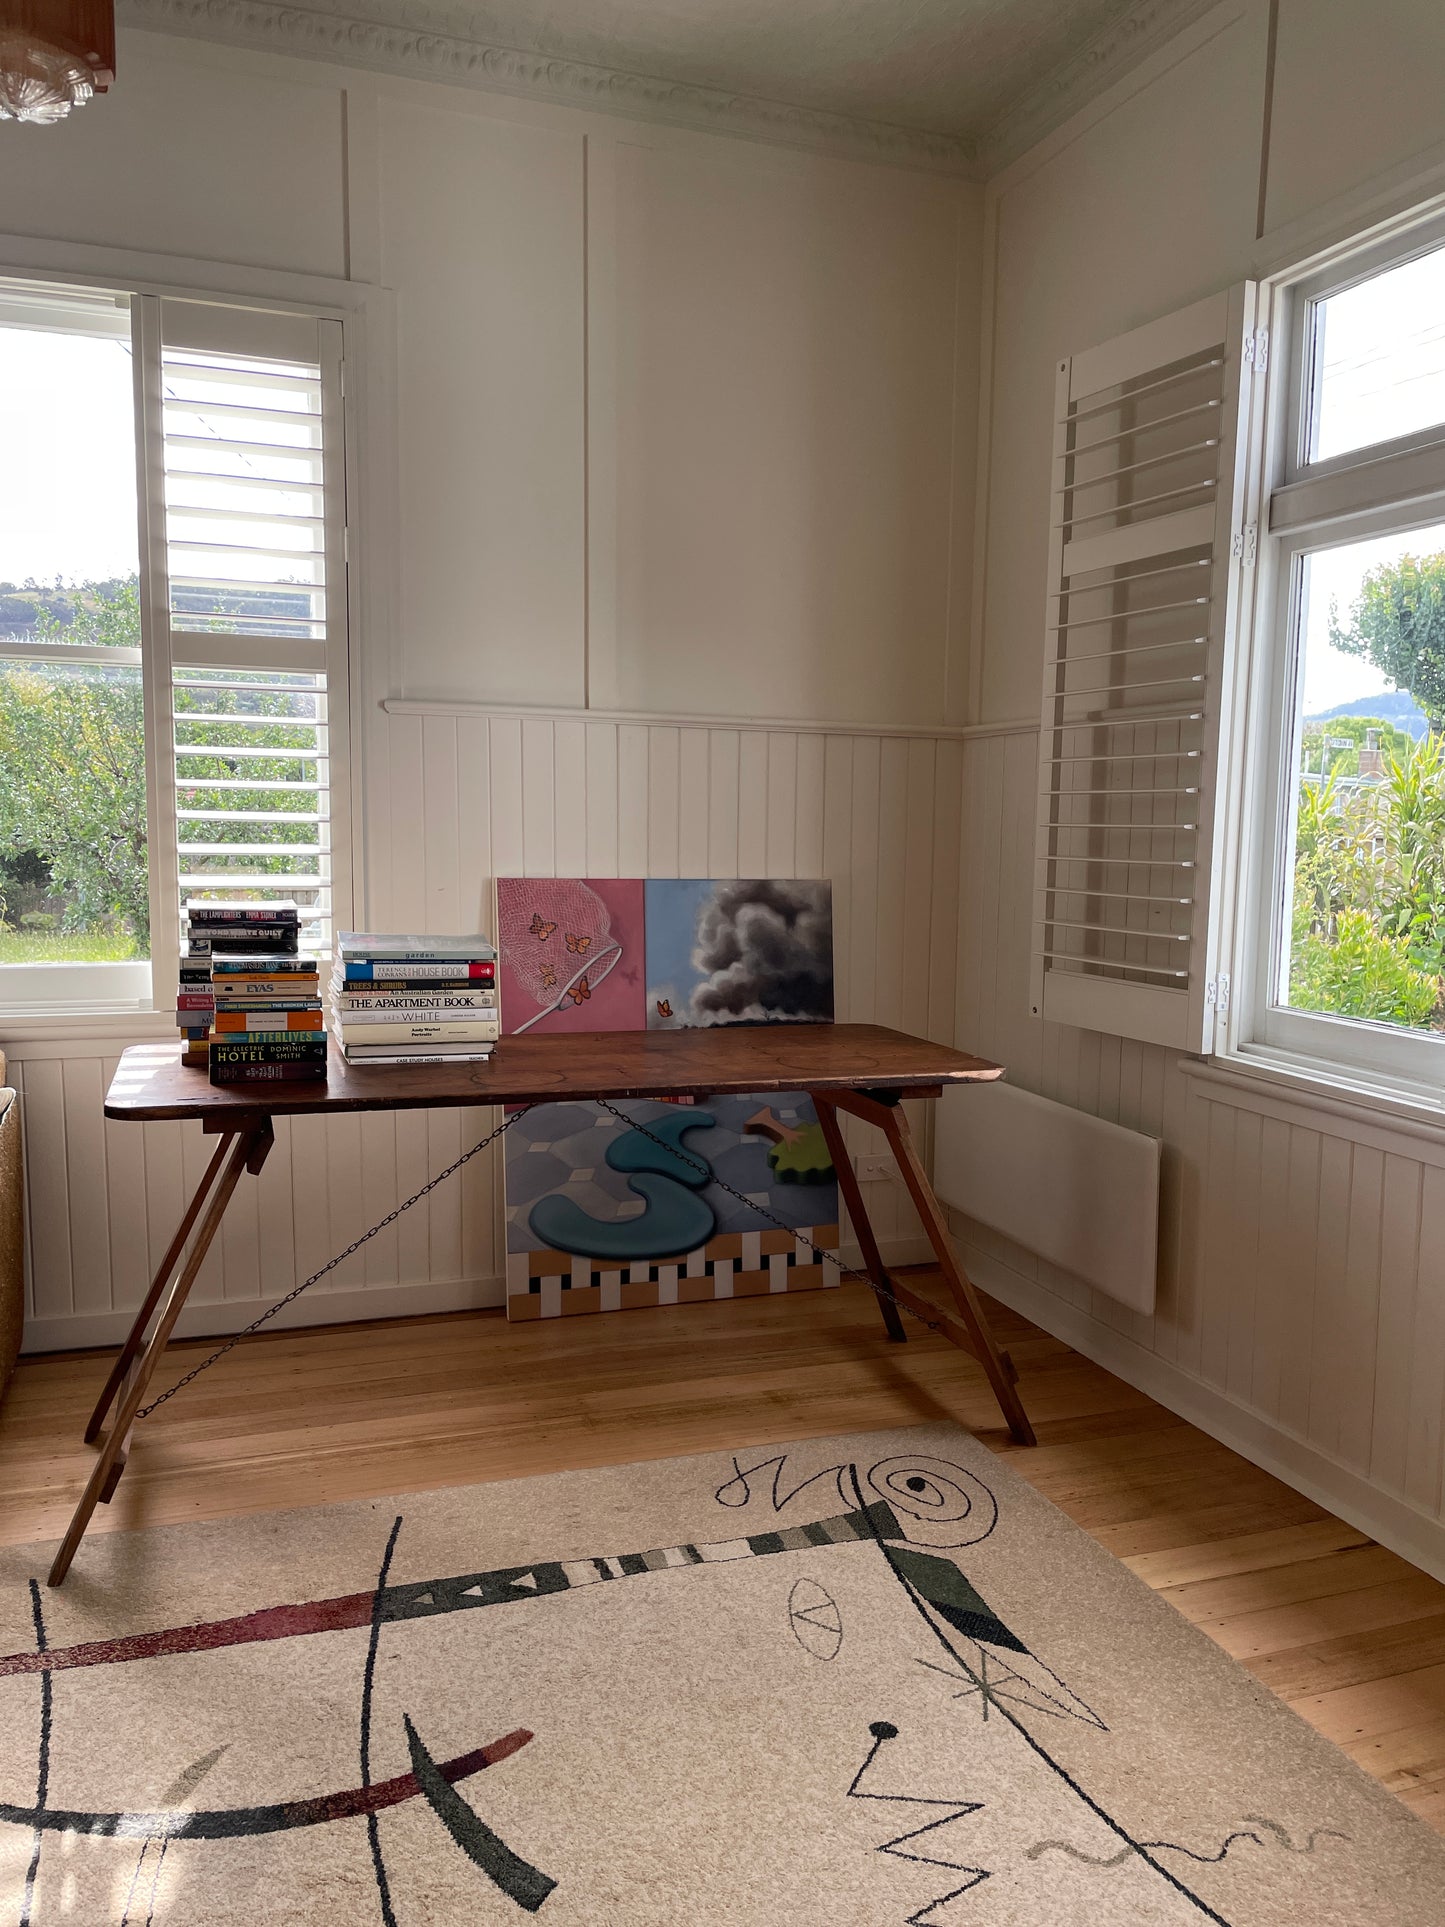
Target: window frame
1391,486
364,399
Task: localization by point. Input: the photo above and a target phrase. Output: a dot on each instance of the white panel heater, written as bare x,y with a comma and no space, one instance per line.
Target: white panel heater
1071,1188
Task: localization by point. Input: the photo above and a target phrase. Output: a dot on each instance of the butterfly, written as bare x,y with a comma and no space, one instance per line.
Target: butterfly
664,1008
582,991
549,978
579,946
539,929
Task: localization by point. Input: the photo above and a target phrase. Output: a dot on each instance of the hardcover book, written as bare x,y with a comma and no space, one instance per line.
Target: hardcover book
418,1033
412,972
405,1003
234,963
355,946
283,1021
267,1073
426,1054
269,1047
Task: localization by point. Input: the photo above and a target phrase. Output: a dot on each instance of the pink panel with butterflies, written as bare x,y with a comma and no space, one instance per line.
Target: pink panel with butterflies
572,953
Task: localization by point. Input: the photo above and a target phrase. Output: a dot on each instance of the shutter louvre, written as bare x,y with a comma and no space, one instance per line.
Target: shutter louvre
247,594
1142,608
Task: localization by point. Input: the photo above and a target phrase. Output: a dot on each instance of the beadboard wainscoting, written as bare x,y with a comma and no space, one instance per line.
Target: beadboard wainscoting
454,798
1301,1305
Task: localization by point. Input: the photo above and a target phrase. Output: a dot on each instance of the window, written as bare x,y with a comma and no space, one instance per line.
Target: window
1241,820
1348,899
74,876
173,650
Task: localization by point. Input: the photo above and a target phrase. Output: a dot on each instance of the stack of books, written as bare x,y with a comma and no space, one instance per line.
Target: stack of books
267,1025
415,1000
214,930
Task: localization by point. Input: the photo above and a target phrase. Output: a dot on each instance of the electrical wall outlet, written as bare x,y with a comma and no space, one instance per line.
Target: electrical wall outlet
873,1167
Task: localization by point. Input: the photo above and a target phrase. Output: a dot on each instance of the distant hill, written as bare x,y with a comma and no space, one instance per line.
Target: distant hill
1395,707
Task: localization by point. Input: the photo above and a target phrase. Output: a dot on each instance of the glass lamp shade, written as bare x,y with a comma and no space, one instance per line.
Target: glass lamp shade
54,55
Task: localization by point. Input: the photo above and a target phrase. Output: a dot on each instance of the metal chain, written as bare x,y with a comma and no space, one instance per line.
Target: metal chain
340,1259
699,1164
702,1166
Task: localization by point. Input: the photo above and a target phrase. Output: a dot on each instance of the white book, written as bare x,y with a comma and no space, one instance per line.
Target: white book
415,1014
358,946
421,1056
443,1034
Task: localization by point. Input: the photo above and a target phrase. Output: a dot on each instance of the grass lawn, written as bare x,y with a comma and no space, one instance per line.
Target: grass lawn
74,946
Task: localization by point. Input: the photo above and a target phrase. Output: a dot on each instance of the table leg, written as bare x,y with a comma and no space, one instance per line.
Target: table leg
858,1213
874,1108
139,1374
132,1346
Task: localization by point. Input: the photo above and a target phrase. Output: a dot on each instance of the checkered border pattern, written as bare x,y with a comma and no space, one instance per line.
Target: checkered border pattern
746,1264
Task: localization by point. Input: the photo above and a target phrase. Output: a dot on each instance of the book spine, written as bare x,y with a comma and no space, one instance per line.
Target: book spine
421,1057
365,953
415,1014
254,966
198,914
194,1000
262,935
303,1021
278,1005
420,973
269,1047
420,1033
409,1006
365,944
224,1072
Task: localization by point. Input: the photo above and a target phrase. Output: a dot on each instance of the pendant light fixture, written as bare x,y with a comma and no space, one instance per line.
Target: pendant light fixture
54,54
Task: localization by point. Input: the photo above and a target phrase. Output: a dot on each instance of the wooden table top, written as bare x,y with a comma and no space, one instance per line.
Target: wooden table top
151,1082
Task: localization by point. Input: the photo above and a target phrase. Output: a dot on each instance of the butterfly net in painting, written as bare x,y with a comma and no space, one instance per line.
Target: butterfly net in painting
556,940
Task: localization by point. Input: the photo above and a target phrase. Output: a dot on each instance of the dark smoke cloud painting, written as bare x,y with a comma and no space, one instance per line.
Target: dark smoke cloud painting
738,952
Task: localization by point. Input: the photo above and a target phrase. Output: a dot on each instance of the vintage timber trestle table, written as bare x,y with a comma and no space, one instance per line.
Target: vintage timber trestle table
862,1069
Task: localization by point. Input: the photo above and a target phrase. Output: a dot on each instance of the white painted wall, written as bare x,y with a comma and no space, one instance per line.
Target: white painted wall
675,426
492,796
1302,1289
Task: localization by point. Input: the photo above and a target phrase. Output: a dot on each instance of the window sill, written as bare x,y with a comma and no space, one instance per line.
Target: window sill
1264,1077
79,1023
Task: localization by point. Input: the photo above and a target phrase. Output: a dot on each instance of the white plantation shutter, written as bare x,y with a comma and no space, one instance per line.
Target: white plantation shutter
1146,564
246,594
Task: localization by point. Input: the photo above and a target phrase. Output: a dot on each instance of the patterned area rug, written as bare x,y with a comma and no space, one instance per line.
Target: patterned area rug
861,1682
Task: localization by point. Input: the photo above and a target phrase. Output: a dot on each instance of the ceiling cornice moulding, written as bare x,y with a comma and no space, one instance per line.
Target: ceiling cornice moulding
1107,57
324,31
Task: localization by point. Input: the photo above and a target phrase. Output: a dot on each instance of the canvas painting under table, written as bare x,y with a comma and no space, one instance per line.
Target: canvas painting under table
608,1213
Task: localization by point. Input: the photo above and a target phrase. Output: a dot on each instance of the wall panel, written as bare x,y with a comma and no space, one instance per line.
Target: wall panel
1300,1270
470,798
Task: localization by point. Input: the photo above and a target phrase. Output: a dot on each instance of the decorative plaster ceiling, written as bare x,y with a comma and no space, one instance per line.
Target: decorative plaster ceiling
959,85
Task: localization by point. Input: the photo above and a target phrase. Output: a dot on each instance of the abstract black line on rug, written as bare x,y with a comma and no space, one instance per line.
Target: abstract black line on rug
42,1778
921,1606
368,1681
955,1809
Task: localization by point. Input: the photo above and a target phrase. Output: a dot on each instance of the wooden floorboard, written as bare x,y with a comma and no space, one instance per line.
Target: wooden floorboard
1349,1634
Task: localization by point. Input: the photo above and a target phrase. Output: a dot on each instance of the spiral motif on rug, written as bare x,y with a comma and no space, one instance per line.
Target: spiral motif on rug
944,1505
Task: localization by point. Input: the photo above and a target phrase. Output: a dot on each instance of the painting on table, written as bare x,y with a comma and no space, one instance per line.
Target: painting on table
738,951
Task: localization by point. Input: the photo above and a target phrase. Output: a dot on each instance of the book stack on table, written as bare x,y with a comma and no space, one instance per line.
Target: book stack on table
267,1025
195,1007
415,1000
215,929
